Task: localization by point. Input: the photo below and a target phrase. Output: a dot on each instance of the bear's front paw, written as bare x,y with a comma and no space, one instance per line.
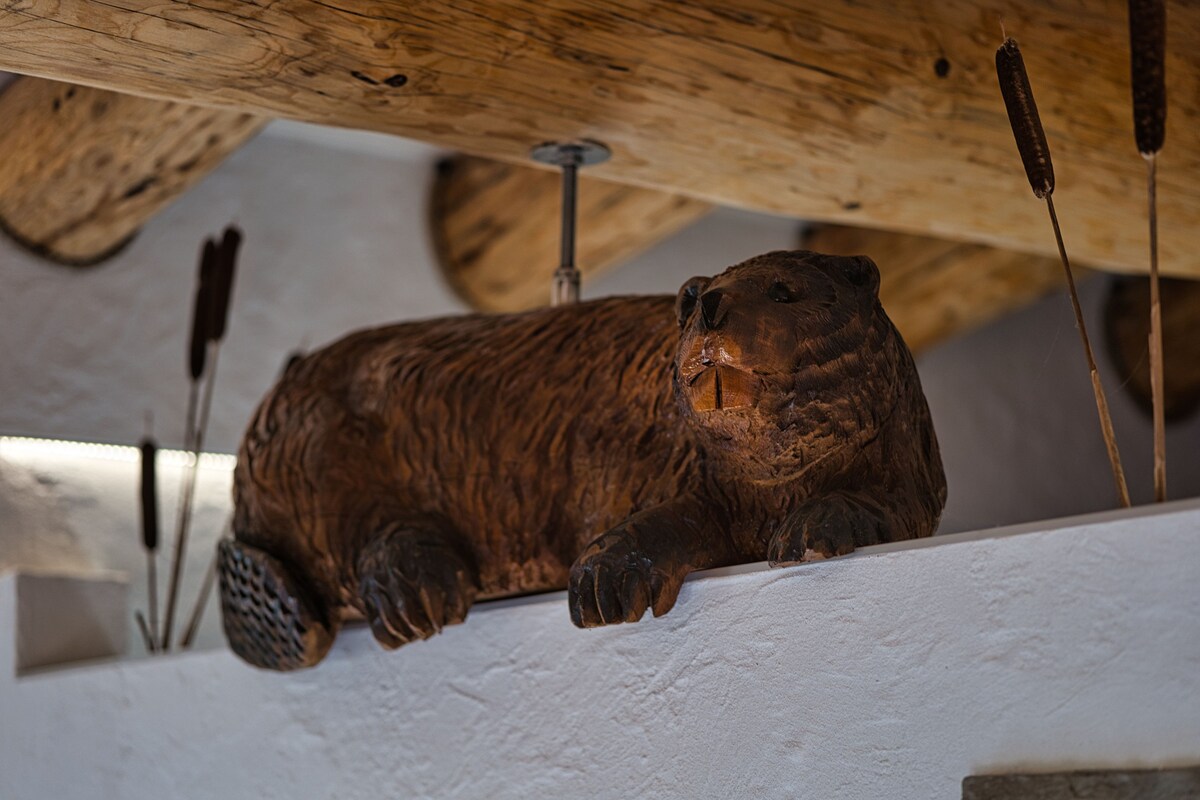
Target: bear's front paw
822,529
412,585
616,581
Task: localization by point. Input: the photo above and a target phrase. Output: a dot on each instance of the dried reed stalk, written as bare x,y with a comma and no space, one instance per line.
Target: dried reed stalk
1147,50
221,263
1035,155
198,347
147,638
223,272
210,576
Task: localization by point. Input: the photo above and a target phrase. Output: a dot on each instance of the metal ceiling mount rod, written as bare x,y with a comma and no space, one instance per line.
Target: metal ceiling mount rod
569,156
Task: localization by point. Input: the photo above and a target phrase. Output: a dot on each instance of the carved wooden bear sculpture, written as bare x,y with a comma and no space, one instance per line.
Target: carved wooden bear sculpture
611,447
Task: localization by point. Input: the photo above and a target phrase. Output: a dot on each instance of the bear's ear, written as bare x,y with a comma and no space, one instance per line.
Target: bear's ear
685,301
862,273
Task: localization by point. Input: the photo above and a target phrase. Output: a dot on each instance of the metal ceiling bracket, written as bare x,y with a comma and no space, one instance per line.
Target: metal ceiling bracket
569,156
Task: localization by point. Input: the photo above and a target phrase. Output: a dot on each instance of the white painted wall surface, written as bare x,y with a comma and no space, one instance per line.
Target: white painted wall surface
893,673
77,508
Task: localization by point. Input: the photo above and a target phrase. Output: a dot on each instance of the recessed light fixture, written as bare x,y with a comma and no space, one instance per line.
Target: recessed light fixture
30,447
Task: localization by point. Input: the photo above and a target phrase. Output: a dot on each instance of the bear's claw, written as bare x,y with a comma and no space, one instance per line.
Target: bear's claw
826,528
613,582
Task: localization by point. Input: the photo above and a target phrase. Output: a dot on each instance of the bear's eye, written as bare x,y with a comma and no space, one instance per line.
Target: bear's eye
780,292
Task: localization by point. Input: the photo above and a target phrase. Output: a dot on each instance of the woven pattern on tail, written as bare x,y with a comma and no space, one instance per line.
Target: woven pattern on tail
270,621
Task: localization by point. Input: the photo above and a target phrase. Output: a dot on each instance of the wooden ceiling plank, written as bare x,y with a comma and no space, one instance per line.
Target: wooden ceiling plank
83,169
878,113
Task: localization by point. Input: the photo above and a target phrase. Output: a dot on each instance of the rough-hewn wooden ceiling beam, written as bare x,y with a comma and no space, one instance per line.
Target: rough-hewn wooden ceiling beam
82,169
496,228
876,112
934,289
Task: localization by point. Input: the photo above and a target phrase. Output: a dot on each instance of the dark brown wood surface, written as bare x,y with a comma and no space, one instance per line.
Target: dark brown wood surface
612,447
1133,784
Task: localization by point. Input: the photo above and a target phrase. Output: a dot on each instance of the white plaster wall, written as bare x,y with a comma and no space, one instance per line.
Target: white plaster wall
34,530
336,239
85,515
893,673
1016,419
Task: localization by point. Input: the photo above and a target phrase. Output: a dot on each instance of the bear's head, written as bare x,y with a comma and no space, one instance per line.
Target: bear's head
784,357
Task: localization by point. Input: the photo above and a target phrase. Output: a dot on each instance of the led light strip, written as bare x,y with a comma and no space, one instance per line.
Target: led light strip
27,446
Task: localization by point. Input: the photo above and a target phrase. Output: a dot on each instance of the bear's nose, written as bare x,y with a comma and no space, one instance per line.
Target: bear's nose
712,310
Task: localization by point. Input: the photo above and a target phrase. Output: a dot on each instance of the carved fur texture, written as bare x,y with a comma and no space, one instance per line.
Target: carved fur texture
611,447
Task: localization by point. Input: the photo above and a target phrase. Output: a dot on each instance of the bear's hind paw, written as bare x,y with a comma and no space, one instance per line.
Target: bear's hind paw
412,585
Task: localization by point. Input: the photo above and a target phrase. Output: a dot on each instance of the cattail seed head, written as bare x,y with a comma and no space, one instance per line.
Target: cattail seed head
202,311
149,495
1147,52
223,275
1023,118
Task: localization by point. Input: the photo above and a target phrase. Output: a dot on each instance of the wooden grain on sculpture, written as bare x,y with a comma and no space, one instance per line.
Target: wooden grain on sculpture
612,447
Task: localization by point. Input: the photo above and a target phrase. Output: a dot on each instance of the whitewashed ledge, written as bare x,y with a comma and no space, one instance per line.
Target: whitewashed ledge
893,673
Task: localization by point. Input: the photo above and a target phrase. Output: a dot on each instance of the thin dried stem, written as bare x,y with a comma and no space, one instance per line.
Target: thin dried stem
1158,399
1030,137
1147,62
145,629
189,494
215,288
206,404
189,633
182,512
1106,426
152,594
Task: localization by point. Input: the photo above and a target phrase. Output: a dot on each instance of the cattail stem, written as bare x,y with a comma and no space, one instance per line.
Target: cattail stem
1106,426
182,516
1158,400
220,310
145,629
188,493
182,512
152,594
1148,68
193,405
217,269
214,350
1034,150
210,575
197,351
